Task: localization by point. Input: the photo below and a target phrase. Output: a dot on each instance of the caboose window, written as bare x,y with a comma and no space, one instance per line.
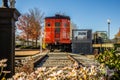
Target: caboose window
48,24
57,24
57,30
65,24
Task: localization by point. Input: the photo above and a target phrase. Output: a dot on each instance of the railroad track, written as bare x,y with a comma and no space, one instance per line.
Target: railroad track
63,59
84,60
59,59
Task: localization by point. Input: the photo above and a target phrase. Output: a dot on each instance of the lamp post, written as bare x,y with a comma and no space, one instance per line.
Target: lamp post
41,44
41,37
108,21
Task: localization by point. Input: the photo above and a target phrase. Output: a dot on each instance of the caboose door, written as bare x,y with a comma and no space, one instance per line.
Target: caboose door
57,34
57,31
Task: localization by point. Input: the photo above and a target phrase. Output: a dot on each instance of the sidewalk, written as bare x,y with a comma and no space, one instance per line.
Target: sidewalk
26,53
19,55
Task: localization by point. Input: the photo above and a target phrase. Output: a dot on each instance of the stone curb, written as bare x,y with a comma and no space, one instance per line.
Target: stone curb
41,57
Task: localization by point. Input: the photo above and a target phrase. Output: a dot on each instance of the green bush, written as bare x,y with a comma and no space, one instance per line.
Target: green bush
18,46
34,47
26,47
117,45
112,60
30,47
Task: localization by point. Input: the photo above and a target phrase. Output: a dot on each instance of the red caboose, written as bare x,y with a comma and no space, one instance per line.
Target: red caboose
57,32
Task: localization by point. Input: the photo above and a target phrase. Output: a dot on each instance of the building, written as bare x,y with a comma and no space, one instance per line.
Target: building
82,41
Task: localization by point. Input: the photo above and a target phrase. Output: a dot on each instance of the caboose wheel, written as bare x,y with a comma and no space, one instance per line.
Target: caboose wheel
52,50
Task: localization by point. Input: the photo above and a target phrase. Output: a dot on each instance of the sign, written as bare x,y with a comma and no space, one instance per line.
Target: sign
81,35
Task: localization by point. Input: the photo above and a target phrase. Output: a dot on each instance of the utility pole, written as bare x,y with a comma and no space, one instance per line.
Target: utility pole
108,21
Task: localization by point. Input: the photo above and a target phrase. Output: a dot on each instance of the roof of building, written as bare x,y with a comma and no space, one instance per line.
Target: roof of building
58,16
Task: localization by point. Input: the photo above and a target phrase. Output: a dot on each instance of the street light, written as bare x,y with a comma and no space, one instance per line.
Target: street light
41,38
108,21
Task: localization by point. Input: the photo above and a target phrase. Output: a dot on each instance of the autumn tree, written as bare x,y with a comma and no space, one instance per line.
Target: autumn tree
23,27
29,25
36,23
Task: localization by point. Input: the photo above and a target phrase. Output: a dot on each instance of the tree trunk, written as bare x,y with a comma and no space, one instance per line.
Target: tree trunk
32,42
36,42
27,40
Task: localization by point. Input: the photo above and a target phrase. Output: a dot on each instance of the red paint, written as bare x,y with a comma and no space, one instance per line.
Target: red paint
59,34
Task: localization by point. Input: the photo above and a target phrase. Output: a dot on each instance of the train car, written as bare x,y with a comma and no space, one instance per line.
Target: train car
57,32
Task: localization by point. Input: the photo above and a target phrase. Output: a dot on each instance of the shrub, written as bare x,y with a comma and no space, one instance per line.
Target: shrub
34,47
26,47
112,60
30,47
18,46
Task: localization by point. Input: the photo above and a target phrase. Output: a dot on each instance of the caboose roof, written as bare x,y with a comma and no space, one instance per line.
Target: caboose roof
58,16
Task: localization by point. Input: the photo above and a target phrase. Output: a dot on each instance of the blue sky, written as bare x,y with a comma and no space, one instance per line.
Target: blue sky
86,14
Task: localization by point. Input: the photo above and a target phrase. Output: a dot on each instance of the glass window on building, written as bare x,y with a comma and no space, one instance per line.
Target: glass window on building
65,24
57,30
57,24
48,24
